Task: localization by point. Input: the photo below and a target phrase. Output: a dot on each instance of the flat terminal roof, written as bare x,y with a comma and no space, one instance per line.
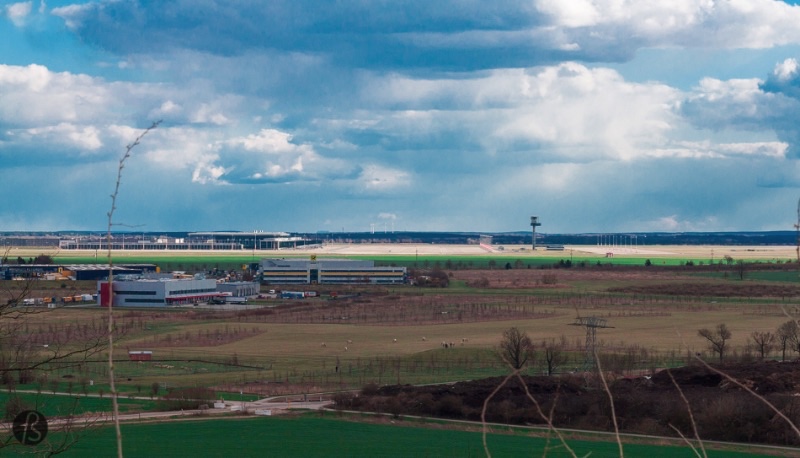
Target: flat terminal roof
239,234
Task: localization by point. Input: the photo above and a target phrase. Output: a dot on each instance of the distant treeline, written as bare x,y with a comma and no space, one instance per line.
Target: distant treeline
524,238
499,238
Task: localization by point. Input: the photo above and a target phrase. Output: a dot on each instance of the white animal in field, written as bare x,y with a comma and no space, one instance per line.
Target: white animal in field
394,340
323,344
345,348
424,339
349,341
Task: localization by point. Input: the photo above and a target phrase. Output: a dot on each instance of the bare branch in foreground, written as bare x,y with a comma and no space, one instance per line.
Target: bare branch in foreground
611,402
112,384
744,387
547,420
691,418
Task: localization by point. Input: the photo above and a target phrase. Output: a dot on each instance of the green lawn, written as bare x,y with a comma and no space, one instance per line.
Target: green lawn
785,276
51,405
309,435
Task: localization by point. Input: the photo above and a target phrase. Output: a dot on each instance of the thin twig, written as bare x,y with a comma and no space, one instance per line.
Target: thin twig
688,442
611,401
484,425
744,387
112,384
691,418
548,420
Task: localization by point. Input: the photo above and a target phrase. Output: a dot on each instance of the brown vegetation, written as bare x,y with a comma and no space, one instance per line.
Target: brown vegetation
710,289
645,405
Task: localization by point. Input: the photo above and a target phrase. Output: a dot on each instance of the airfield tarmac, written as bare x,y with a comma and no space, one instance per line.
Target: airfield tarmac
781,252
697,252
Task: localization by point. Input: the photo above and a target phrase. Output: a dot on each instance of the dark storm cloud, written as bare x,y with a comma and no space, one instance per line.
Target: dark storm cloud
446,35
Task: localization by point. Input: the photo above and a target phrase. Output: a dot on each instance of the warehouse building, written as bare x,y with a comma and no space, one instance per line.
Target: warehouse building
157,291
72,272
328,271
239,288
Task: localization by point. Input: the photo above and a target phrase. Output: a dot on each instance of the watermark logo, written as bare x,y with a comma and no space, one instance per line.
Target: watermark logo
30,427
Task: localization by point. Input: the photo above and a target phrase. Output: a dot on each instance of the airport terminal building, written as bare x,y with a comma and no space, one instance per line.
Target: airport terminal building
192,241
329,271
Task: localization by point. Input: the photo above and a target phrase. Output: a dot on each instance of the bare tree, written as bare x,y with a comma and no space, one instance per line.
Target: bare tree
553,355
789,337
26,355
717,339
516,348
764,342
741,268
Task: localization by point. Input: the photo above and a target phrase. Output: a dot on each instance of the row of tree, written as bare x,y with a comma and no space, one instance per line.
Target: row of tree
785,338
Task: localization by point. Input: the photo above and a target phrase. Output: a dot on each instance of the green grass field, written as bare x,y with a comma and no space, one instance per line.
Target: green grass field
787,276
52,405
307,436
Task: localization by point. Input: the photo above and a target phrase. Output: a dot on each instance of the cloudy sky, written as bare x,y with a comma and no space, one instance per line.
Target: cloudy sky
304,115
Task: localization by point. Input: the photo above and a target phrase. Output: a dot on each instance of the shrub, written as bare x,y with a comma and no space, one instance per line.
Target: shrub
549,279
370,389
344,400
186,398
450,406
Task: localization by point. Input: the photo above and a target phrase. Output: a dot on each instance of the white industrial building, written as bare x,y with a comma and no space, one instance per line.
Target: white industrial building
328,271
239,288
154,291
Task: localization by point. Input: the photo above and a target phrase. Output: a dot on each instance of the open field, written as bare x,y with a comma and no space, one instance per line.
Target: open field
396,334
411,335
310,436
52,405
415,252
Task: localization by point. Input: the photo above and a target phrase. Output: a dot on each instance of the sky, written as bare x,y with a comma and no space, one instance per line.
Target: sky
405,115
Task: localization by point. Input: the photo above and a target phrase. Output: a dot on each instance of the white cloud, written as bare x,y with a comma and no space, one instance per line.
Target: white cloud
81,137
707,149
18,12
786,70
208,173
35,96
271,156
73,14
674,223
270,141
377,178
735,24
207,114
583,113
577,13
713,90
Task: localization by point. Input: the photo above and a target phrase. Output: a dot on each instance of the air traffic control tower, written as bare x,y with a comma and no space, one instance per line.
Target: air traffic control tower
534,222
